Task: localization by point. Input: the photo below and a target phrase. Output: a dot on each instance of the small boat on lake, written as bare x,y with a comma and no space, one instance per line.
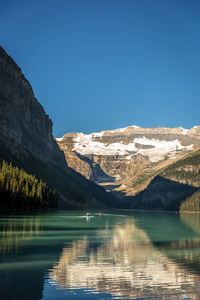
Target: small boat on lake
88,214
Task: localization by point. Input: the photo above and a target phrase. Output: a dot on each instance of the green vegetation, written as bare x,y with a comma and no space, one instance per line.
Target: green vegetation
175,187
144,177
186,170
55,177
192,203
19,190
74,187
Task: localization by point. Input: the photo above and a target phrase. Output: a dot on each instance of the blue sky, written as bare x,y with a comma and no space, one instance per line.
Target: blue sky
105,64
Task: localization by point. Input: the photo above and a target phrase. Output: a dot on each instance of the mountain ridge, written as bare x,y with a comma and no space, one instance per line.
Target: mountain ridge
117,159
176,187
24,124
27,141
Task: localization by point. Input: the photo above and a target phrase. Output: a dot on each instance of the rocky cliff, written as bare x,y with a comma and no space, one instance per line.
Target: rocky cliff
26,140
25,128
121,159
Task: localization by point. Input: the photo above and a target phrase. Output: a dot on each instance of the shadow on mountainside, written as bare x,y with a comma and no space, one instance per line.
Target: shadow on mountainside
103,180
160,194
97,173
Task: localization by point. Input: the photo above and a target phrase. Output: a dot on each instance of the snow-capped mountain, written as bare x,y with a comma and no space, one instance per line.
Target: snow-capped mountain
123,155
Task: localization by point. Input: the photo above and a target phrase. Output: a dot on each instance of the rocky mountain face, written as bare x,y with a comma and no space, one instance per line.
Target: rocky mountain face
120,159
26,140
25,128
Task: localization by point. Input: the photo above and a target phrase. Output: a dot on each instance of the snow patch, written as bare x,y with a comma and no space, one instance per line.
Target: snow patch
125,128
118,130
190,147
129,157
98,134
184,131
135,126
161,148
60,139
85,145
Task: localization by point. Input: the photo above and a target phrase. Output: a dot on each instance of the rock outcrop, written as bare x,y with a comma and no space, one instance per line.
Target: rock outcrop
25,127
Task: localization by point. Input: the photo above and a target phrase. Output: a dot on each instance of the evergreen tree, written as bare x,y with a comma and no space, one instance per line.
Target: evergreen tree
23,191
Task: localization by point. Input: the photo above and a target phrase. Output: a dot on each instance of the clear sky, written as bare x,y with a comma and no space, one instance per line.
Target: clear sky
105,64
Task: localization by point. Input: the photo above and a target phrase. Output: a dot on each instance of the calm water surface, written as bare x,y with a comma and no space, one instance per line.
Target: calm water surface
120,255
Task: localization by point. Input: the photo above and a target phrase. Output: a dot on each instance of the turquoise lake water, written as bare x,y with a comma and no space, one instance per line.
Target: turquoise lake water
118,255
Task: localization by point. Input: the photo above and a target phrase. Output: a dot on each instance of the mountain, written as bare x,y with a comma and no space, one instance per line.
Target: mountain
25,127
161,194
176,187
185,170
125,160
26,140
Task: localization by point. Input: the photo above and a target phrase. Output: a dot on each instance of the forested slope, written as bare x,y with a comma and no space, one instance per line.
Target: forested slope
186,170
174,188
19,190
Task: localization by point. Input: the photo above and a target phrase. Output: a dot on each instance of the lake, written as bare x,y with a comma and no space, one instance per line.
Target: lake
118,255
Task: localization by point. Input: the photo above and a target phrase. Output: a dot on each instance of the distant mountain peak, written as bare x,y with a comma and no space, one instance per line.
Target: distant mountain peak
123,155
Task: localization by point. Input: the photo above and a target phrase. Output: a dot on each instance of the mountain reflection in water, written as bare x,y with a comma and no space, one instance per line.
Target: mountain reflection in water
127,266
122,255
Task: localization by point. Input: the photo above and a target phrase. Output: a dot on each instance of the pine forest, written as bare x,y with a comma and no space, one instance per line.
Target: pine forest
19,190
